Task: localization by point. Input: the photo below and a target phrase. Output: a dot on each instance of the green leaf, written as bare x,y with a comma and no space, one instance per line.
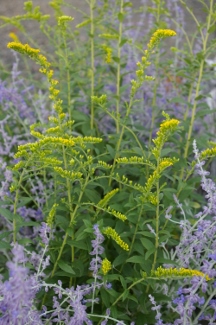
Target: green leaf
24,201
7,214
120,259
105,297
133,298
149,252
4,245
147,243
79,244
123,41
121,17
125,295
5,234
212,29
123,282
127,4
116,59
66,267
135,259
78,267
111,151
92,195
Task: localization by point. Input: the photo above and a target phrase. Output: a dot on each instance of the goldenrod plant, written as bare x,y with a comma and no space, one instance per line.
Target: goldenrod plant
102,213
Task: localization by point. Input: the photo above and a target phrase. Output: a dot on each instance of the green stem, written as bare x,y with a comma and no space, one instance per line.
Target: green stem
92,3
135,232
156,229
205,40
118,77
120,140
72,219
154,114
131,286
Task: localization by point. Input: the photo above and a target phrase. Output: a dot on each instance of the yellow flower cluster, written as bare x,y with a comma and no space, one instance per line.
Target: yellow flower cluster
51,161
37,134
84,23
106,266
104,164
131,160
14,37
68,174
110,232
151,181
32,53
87,140
161,272
42,61
118,214
140,72
166,162
107,197
108,52
167,127
39,144
158,35
109,36
19,165
63,20
51,215
210,152
99,100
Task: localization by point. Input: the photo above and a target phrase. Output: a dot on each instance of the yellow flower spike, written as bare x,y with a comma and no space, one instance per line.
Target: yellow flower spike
161,272
68,174
110,232
158,35
23,49
35,55
167,127
117,214
210,152
103,202
14,37
166,162
63,19
51,215
106,266
108,52
104,164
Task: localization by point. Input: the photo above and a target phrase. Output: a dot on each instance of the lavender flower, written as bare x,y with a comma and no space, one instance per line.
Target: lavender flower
18,293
